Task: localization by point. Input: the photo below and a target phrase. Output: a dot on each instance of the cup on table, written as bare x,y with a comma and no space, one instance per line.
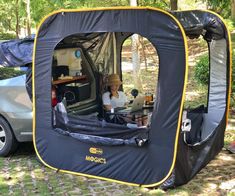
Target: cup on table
78,73
148,98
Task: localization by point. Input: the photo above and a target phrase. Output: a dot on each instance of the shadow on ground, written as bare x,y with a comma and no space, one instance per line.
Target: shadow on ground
25,148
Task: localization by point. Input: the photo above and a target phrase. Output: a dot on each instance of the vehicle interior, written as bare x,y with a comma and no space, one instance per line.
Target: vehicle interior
80,66
74,79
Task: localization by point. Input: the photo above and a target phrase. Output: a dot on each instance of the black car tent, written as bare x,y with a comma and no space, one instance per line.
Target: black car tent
80,144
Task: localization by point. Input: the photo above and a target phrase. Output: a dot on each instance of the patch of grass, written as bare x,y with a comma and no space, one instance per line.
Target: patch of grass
148,78
4,190
196,96
230,24
229,137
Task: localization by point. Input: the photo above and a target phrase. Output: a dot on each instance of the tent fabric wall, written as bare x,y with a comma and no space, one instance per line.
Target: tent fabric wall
217,87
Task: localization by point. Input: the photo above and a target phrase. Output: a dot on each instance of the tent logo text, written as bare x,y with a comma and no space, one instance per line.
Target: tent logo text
96,159
93,150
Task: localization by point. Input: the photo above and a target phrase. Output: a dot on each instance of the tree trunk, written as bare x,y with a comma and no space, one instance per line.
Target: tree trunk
9,24
174,4
133,2
136,62
28,18
135,56
17,30
233,9
143,52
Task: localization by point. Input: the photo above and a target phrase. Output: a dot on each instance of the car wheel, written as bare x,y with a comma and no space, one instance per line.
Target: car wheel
8,143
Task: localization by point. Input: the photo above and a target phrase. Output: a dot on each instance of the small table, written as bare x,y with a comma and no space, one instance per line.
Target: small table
143,112
70,80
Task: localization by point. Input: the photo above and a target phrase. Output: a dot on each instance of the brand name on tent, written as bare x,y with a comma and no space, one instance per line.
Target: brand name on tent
93,150
96,159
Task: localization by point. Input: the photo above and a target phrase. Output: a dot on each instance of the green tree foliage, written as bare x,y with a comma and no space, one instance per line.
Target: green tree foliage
202,70
164,4
13,13
41,8
222,7
12,16
8,72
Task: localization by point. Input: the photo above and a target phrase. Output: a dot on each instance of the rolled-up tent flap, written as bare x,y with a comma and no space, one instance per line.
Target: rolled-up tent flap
138,140
95,131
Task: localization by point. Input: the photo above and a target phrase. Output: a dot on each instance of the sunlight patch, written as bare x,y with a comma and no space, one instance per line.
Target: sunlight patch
228,185
211,185
225,158
20,174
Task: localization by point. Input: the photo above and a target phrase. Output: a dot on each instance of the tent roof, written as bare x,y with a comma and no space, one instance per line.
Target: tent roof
17,52
197,22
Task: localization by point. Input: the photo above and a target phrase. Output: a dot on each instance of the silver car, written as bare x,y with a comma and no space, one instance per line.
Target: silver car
15,114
